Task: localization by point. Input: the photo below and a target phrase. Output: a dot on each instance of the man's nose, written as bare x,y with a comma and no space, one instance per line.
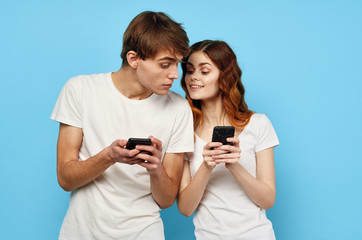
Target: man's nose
174,73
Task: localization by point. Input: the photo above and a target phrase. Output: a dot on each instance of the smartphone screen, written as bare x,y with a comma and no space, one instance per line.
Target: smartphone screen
221,133
132,142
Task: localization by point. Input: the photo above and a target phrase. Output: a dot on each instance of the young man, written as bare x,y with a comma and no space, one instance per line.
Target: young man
117,193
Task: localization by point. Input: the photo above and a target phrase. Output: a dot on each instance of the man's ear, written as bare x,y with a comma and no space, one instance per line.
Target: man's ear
132,59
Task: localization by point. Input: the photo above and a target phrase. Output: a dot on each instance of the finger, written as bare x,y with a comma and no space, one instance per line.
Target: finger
149,166
229,148
209,162
146,148
150,150
144,164
129,153
208,159
208,153
148,158
129,160
210,145
226,160
157,142
120,142
121,154
226,156
233,140
219,151
134,158
136,161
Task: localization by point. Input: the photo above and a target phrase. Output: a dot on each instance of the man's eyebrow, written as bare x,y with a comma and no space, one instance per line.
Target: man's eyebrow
168,58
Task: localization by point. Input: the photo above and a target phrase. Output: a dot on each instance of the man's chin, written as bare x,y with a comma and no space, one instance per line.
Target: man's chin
162,92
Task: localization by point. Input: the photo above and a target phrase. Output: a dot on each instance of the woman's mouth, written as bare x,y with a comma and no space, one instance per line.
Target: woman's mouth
196,86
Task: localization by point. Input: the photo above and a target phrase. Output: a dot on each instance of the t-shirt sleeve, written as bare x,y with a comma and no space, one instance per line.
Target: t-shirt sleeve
182,133
67,109
266,137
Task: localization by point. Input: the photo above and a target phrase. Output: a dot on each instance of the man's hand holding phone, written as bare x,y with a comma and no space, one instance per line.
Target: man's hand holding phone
150,155
146,152
118,153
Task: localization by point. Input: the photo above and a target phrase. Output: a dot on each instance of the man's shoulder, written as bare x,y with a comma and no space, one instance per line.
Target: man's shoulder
176,98
80,80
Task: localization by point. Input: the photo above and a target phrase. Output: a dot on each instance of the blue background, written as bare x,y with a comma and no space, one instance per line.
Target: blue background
302,65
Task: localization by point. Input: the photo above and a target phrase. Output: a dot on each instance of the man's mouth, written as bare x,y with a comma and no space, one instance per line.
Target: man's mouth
168,85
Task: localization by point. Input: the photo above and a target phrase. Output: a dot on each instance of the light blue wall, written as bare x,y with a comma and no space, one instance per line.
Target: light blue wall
302,65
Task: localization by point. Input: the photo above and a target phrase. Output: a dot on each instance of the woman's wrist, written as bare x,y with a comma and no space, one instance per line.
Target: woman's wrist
231,166
208,166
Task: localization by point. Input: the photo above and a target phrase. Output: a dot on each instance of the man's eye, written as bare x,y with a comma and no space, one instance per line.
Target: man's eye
165,65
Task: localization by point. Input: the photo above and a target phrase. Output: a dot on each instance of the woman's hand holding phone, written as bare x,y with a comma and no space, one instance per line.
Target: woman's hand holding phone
230,153
224,147
209,152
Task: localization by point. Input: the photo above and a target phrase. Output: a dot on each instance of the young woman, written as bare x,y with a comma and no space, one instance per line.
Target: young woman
229,186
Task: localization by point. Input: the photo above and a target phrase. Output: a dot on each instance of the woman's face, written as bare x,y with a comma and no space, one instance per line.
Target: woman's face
202,77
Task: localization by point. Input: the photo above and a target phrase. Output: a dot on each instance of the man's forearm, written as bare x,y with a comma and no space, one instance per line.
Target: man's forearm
74,174
164,189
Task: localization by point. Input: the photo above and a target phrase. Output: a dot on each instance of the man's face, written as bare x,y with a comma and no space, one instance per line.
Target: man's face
158,73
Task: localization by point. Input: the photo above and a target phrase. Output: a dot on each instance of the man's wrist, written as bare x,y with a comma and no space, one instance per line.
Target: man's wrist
107,155
156,172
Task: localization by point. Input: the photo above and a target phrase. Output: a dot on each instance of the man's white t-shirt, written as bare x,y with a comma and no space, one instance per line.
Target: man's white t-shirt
225,211
118,204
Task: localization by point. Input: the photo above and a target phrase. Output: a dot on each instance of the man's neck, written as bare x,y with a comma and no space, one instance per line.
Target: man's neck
126,82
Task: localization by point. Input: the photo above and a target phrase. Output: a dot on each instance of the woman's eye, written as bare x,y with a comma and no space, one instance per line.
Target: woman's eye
189,71
204,71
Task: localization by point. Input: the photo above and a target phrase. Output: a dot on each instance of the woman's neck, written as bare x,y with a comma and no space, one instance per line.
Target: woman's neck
214,113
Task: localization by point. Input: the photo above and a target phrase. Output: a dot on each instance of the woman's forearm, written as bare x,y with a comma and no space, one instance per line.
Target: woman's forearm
189,198
261,193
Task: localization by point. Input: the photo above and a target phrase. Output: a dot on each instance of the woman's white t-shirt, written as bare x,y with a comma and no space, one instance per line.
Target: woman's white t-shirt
226,211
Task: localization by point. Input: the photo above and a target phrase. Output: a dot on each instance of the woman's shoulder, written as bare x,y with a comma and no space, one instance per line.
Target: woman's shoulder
258,119
258,116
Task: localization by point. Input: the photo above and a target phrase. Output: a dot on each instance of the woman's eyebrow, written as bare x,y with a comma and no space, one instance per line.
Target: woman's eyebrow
200,64
204,63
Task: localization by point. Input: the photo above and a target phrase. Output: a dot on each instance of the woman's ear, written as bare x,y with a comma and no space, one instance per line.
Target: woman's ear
132,59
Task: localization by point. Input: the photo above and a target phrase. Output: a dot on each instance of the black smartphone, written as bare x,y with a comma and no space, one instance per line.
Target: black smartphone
221,133
132,142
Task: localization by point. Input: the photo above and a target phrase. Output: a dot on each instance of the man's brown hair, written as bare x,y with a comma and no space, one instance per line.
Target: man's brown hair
151,32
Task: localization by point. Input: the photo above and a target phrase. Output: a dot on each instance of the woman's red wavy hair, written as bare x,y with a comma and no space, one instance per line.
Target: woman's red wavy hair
232,90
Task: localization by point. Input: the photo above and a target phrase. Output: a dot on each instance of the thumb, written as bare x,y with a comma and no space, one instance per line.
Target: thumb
120,142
